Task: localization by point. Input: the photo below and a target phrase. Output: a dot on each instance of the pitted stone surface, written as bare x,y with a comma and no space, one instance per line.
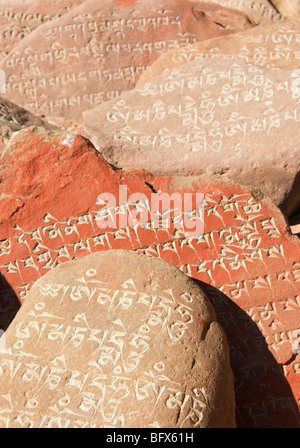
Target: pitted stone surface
99,49
246,260
209,116
117,339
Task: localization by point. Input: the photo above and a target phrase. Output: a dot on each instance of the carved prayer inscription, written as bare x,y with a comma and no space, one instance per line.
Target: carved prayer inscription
274,45
94,347
260,11
98,49
210,115
246,257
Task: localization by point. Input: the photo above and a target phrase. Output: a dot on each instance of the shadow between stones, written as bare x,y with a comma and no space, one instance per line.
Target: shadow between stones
264,398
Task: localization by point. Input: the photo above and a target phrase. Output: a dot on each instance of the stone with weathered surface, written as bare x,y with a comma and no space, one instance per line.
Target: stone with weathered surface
98,49
273,45
246,259
20,19
116,339
13,118
209,116
259,11
294,222
287,8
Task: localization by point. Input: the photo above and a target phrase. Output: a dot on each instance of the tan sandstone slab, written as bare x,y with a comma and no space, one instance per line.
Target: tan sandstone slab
295,224
246,260
18,19
116,339
209,116
99,49
273,45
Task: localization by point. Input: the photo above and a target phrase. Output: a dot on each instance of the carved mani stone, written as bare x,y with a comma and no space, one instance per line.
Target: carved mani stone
246,258
18,19
117,339
274,45
210,116
98,49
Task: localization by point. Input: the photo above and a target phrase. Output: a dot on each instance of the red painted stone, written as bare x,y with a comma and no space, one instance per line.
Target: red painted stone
99,49
247,260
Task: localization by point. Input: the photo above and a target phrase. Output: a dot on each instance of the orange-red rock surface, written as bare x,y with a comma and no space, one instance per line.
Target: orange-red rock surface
246,260
20,19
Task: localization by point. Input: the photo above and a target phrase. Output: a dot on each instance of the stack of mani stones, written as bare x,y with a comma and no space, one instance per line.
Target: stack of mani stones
149,213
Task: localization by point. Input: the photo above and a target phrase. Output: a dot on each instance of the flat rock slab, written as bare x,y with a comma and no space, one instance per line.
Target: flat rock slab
247,260
98,49
20,19
117,339
259,11
274,45
209,116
